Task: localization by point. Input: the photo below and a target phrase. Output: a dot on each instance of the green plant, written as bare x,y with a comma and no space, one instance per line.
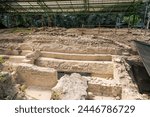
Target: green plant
1,60
55,95
21,30
132,20
2,79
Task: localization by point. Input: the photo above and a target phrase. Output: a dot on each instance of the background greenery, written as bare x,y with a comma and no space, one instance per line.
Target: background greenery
134,18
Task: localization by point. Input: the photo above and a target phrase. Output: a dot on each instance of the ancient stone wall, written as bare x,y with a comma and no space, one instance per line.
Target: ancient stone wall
33,75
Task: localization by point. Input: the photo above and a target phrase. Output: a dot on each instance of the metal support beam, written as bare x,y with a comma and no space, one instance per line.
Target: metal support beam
86,5
72,5
44,6
59,6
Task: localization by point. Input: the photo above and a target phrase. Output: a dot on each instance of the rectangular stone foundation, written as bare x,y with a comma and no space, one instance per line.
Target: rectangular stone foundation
105,90
94,67
32,75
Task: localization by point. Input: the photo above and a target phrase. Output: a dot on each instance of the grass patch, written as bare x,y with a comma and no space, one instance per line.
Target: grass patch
21,30
1,60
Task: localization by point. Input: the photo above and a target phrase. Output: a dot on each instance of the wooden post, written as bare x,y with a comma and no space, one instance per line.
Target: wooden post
42,20
148,23
49,21
99,28
147,26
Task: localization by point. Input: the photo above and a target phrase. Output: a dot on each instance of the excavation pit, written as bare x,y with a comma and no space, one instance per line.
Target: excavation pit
40,61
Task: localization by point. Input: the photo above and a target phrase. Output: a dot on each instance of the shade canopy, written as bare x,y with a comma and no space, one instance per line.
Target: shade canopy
67,6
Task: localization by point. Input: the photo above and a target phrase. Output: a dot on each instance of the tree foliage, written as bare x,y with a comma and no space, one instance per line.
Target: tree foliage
132,20
134,14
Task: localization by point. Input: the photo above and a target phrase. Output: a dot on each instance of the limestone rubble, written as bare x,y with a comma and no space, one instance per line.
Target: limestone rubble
73,87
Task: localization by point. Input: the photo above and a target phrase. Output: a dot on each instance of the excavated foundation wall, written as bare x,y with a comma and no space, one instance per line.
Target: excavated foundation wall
93,55
99,66
32,75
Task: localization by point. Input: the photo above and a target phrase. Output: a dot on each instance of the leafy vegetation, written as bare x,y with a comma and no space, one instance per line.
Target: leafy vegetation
130,14
132,20
1,60
1,78
21,30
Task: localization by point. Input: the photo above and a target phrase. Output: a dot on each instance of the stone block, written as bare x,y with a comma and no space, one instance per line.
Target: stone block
32,75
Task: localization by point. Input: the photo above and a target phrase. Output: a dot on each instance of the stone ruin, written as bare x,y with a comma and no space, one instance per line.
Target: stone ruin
35,77
46,70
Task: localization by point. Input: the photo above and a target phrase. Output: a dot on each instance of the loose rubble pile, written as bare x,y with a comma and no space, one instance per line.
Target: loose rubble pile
9,90
73,87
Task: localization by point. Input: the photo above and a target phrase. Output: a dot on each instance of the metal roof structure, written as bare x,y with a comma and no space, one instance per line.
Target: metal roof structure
67,6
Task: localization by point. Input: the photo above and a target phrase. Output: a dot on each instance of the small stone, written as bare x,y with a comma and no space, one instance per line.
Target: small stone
14,77
90,93
117,66
33,55
13,73
126,53
92,82
4,76
138,99
115,93
22,95
118,60
109,78
97,81
23,87
118,98
28,61
90,96
17,86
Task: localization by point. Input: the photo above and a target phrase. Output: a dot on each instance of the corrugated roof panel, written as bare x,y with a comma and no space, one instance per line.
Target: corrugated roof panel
144,52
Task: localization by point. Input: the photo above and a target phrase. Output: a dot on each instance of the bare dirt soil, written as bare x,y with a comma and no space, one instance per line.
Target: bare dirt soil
97,37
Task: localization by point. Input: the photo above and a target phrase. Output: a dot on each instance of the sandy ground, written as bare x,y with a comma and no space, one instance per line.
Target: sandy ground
97,37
